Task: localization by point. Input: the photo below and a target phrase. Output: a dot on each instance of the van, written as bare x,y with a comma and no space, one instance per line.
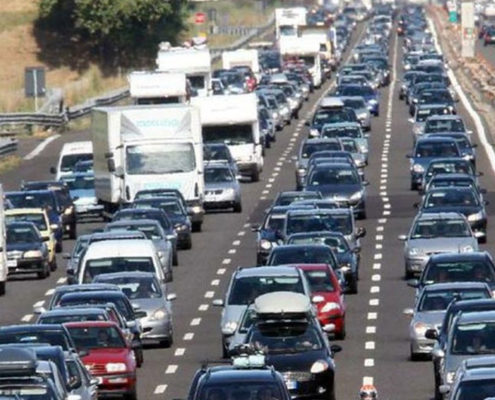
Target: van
70,155
119,256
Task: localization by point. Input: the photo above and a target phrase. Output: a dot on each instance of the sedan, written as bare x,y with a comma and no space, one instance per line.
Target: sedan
433,233
452,165
370,95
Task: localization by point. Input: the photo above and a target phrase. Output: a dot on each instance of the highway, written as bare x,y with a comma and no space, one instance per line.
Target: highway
376,346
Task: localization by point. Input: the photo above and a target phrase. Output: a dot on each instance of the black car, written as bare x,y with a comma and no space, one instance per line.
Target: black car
175,212
66,203
27,253
286,198
195,211
457,267
156,214
64,289
464,200
54,335
347,258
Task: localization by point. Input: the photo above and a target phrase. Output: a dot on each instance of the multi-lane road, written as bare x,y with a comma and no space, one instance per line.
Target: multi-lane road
376,346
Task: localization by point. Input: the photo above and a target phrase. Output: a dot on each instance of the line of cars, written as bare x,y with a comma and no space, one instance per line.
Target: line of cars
452,318
291,305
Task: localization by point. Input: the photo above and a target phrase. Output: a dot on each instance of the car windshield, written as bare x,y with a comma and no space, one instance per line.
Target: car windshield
473,339
170,206
298,255
479,389
242,390
70,317
287,199
310,148
355,103
350,131
350,145
69,161
331,117
450,167
319,222
36,218
145,214
439,300
435,97
32,200
319,281
218,175
275,222
80,182
135,287
436,149
444,182
355,91
444,125
16,234
459,271
217,153
117,264
245,290
97,337
228,134
337,244
287,338
441,228
53,338
334,176
149,159
451,198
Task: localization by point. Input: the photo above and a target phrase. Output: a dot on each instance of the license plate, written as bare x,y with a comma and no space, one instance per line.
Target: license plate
12,263
291,385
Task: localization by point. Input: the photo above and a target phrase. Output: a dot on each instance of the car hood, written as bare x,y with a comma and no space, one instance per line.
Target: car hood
149,305
443,245
295,362
269,235
106,355
220,186
335,191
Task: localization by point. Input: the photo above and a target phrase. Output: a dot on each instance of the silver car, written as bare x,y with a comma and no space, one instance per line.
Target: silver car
222,189
433,233
351,145
430,308
358,104
147,294
347,130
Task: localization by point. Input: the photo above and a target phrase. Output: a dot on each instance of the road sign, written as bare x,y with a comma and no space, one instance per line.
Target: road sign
199,18
34,83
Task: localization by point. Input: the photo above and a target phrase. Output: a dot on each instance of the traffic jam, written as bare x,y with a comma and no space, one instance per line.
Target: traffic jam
186,151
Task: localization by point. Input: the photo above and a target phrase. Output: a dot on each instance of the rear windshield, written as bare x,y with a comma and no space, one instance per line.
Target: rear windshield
245,290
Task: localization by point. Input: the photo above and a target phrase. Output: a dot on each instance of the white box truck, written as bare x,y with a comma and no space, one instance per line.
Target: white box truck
158,87
242,58
321,34
233,120
288,21
3,245
194,62
148,147
306,49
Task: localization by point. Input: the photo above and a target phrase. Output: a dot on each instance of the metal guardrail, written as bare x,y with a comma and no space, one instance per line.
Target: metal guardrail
61,119
8,146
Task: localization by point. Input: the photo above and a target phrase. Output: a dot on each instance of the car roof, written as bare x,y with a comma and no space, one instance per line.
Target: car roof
31,328
19,211
308,246
129,274
267,271
320,211
96,324
454,285
452,176
321,140
475,317
86,287
317,233
229,374
124,246
451,188
473,255
72,311
445,117
282,302
102,294
435,139
125,222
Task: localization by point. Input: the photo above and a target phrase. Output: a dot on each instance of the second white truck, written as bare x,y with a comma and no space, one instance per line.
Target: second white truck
158,87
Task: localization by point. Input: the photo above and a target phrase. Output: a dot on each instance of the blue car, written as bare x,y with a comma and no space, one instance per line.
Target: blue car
46,199
369,94
426,150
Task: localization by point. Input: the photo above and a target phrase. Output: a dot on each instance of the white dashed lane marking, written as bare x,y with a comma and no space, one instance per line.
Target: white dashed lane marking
171,369
160,389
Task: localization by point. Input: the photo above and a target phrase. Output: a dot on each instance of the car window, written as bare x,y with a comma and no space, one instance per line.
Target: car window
245,290
459,271
439,300
429,229
298,255
117,264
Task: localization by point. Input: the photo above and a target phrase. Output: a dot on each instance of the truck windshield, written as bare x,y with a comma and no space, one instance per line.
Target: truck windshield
69,161
228,134
160,158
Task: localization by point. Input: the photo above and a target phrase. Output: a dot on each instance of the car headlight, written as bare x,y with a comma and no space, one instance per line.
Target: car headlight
418,168
475,217
265,244
274,115
229,328
450,377
116,367
195,209
330,306
467,249
181,227
319,366
356,196
373,102
362,115
301,171
229,192
69,210
415,251
314,132
420,328
159,314
32,254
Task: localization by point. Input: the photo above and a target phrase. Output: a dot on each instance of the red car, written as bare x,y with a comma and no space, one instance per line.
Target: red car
111,358
326,295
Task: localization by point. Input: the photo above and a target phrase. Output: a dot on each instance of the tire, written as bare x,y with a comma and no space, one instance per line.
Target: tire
225,352
53,265
408,274
170,341
132,395
2,288
362,214
169,277
341,335
59,247
414,356
353,287
255,176
175,259
45,273
414,186
139,357
196,226
482,239
238,207
188,244
73,232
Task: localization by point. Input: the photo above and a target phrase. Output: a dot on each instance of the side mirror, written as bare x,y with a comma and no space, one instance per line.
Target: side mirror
53,226
111,165
474,145
46,239
414,283
218,303
171,296
483,191
255,227
438,353
366,183
83,353
409,312
53,170
356,250
411,120
318,299
416,205
93,382
361,232
431,334
444,389
39,310
335,348
486,202
307,123
66,256
329,328
409,156
402,238
480,174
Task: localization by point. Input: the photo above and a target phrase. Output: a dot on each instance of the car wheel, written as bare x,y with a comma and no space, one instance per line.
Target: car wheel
414,186
45,273
255,175
132,395
342,333
53,265
2,288
225,351
238,207
196,226
362,214
482,239
353,286
414,356
169,276
59,247
139,356
188,244
73,232
175,258
170,340
408,274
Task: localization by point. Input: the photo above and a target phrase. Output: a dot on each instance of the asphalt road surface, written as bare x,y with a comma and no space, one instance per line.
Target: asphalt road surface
376,346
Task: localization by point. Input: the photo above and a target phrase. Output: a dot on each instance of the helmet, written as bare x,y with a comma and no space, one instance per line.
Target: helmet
368,392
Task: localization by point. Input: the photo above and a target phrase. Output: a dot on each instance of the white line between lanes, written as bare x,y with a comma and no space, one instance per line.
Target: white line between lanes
160,389
38,149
